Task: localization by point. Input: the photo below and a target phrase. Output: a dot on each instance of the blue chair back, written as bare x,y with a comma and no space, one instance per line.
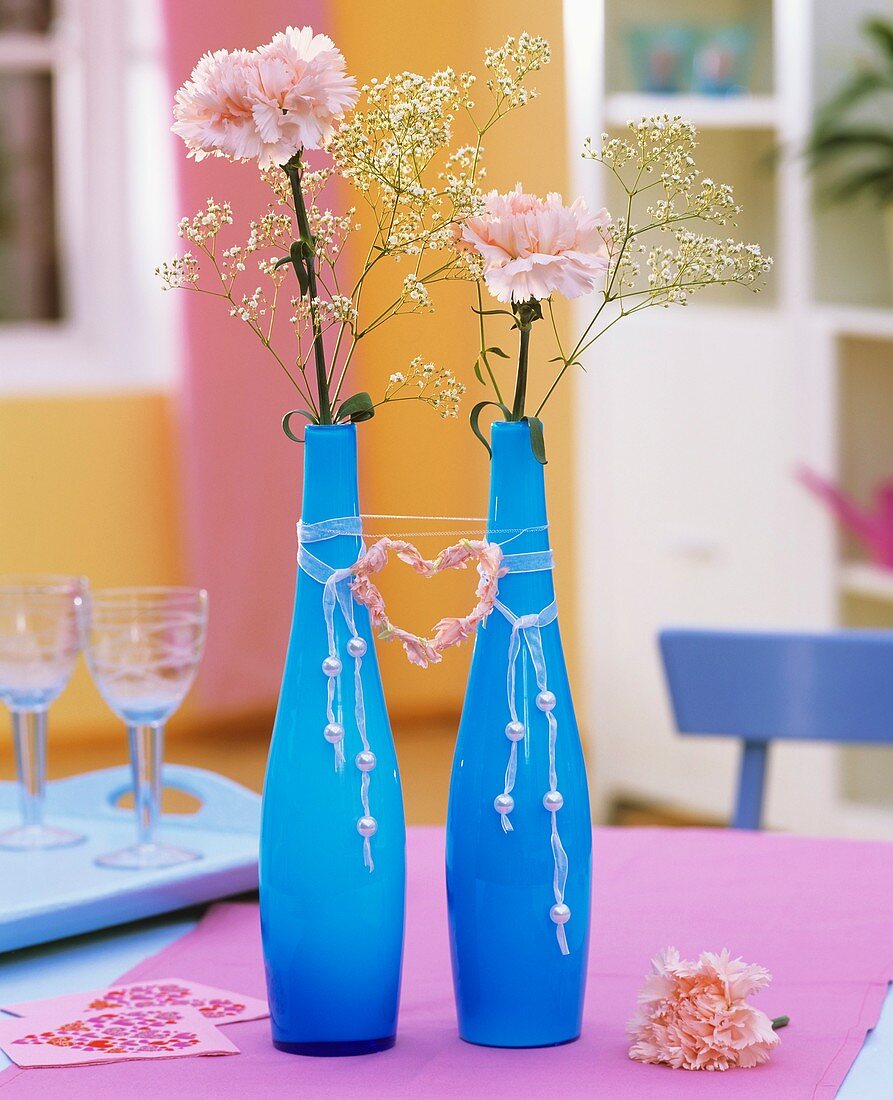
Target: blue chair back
763,687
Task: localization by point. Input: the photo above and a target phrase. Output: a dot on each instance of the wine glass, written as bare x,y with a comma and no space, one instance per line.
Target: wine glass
144,646
40,637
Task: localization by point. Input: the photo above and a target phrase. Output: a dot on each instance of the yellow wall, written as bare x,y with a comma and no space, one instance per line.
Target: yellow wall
414,462
86,487
89,484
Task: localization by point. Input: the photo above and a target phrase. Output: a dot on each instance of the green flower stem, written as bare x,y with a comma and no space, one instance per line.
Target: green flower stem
520,398
525,313
293,170
780,1021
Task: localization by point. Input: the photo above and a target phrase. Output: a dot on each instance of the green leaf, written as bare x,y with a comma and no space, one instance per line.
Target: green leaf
881,30
287,419
497,351
537,440
475,416
296,255
492,312
477,371
281,263
357,408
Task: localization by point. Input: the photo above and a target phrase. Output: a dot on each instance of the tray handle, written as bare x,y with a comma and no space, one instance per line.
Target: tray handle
226,806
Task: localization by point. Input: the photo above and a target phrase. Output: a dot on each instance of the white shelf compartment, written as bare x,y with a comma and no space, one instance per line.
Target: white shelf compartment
864,579
855,321
736,112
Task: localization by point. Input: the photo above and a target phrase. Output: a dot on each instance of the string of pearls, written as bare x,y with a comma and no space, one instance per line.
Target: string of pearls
528,627
365,761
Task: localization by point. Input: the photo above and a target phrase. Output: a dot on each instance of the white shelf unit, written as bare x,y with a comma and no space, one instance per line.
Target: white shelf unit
747,112
692,423
864,579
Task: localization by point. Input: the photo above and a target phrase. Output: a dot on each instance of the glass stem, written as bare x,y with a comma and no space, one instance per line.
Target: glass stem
146,753
29,732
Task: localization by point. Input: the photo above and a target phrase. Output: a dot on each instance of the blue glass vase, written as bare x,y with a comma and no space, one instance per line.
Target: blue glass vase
332,925
510,925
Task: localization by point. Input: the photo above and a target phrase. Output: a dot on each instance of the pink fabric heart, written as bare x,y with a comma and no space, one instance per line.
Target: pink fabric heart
449,631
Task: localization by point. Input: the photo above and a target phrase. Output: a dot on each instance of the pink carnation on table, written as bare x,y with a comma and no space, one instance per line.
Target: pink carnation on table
265,104
532,246
696,1016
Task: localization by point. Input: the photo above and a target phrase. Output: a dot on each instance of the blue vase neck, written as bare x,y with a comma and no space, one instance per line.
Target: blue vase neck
330,488
517,515
517,491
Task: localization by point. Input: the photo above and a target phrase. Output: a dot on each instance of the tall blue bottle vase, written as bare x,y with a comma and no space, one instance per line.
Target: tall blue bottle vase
510,923
332,928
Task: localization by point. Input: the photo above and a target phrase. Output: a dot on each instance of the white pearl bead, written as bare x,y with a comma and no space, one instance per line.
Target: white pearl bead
514,731
333,733
356,647
365,761
504,803
560,913
546,700
331,666
367,826
553,800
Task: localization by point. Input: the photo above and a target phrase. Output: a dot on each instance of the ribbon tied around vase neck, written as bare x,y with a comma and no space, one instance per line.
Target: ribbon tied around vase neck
337,594
526,631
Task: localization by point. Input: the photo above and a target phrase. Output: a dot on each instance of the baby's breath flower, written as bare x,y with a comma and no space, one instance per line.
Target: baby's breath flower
416,294
432,385
181,271
207,223
251,308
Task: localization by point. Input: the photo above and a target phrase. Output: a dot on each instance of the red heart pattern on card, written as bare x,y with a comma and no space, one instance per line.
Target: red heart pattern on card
161,994
151,1031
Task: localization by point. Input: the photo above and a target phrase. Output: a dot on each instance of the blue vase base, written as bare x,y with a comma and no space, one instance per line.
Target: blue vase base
339,1049
518,1046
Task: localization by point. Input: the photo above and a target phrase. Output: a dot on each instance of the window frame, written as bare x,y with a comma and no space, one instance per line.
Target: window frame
117,329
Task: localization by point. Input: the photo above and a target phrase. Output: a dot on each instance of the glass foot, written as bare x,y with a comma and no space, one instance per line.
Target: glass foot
143,856
33,838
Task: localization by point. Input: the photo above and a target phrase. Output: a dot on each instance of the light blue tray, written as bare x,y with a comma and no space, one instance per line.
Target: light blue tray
48,895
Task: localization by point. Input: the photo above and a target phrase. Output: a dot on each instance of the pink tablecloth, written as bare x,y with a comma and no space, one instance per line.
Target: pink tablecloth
816,912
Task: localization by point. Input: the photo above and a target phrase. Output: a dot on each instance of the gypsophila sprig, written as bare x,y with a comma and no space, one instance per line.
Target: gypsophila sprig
651,254
412,151
423,381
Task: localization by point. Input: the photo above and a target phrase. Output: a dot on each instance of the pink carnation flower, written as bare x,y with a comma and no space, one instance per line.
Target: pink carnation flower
214,111
532,246
265,104
696,1015
302,91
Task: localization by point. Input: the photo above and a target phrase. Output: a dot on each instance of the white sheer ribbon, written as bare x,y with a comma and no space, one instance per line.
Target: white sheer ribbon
337,595
527,629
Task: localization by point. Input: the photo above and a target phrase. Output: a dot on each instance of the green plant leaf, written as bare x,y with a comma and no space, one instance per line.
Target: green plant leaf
878,181
881,30
286,422
477,371
296,255
357,408
497,351
537,439
492,312
475,416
